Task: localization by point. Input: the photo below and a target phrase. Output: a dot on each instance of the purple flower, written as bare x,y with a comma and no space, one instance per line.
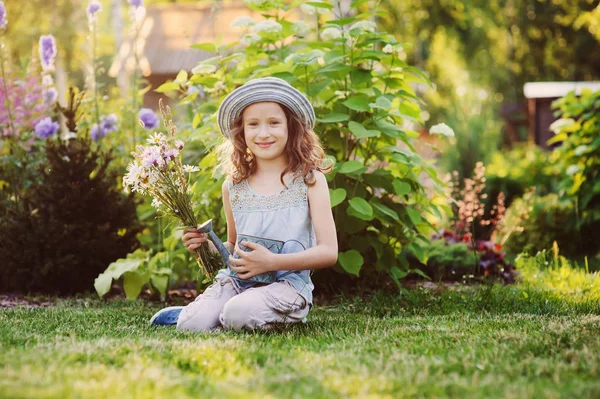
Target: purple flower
96,132
3,19
92,9
148,118
50,96
47,52
108,123
46,128
136,3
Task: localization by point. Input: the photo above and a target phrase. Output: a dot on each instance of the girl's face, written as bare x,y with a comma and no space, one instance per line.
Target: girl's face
265,130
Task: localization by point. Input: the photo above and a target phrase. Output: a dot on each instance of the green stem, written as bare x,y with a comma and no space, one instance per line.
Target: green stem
134,82
94,80
7,101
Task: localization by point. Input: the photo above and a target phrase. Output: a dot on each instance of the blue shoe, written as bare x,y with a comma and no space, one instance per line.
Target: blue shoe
167,316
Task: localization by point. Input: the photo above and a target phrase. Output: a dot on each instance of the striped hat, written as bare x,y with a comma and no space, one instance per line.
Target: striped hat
262,90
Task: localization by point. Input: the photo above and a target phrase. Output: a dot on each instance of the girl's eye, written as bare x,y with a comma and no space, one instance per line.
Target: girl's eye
274,123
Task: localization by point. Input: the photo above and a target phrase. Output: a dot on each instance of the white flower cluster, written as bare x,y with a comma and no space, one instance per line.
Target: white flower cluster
365,26
312,10
156,167
301,28
243,22
443,129
393,49
249,39
267,26
331,33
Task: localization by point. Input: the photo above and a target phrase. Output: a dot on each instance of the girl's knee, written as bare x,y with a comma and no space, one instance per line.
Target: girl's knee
240,314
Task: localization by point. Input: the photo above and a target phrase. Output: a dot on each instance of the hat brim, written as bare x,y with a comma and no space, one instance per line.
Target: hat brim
264,90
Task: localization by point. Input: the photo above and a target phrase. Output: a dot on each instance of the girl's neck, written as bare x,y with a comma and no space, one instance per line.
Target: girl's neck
271,167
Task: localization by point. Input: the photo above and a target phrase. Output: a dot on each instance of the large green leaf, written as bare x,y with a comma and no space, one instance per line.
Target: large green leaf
385,210
360,132
414,215
331,118
351,167
400,187
133,283
116,269
169,86
358,102
337,196
361,206
351,261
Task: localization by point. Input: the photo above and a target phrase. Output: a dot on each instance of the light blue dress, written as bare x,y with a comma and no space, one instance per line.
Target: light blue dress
283,216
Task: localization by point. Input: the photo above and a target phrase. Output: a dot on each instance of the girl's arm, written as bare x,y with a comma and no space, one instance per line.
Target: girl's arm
192,239
324,254
231,232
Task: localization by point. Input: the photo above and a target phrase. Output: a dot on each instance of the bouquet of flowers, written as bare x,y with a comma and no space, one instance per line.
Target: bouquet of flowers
157,171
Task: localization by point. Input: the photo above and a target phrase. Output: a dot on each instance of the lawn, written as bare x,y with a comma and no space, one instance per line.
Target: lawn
492,341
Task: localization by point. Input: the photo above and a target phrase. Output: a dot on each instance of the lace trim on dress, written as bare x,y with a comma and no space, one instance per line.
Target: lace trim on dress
243,199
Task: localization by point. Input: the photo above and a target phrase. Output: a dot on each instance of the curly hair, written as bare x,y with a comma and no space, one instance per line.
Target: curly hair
303,148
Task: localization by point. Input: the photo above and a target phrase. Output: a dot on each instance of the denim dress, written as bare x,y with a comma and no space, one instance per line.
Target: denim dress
283,216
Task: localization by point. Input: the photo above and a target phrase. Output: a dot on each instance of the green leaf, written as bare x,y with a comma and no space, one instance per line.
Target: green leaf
102,284
320,4
400,187
358,102
342,21
351,261
182,77
414,215
197,120
360,132
353,212
397,272
350,167
160,281
169,86
337,196
385,210
332,118
133,283
116,269
361,206
210,47
383,102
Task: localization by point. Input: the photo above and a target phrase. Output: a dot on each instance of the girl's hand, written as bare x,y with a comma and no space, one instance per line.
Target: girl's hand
192,239
259,260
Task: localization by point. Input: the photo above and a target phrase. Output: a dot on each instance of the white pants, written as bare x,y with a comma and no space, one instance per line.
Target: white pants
222,304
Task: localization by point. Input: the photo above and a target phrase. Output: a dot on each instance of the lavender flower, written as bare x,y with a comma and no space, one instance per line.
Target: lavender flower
148,118
92,9
47,52
136,3
50,96
108,123
46,128
3,19
96,132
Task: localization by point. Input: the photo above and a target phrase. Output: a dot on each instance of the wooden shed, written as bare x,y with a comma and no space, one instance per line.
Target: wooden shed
539,97
166,33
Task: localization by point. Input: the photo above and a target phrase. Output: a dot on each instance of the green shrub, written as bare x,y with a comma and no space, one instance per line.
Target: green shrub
362,90
513,172
533,223
578,156
68,225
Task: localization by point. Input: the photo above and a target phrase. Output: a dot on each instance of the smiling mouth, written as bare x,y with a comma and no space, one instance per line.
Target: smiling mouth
264,145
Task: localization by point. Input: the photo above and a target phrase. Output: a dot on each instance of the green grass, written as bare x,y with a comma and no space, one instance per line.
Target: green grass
491,341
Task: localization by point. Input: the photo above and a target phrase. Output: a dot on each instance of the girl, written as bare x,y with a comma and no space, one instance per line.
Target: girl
275,190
